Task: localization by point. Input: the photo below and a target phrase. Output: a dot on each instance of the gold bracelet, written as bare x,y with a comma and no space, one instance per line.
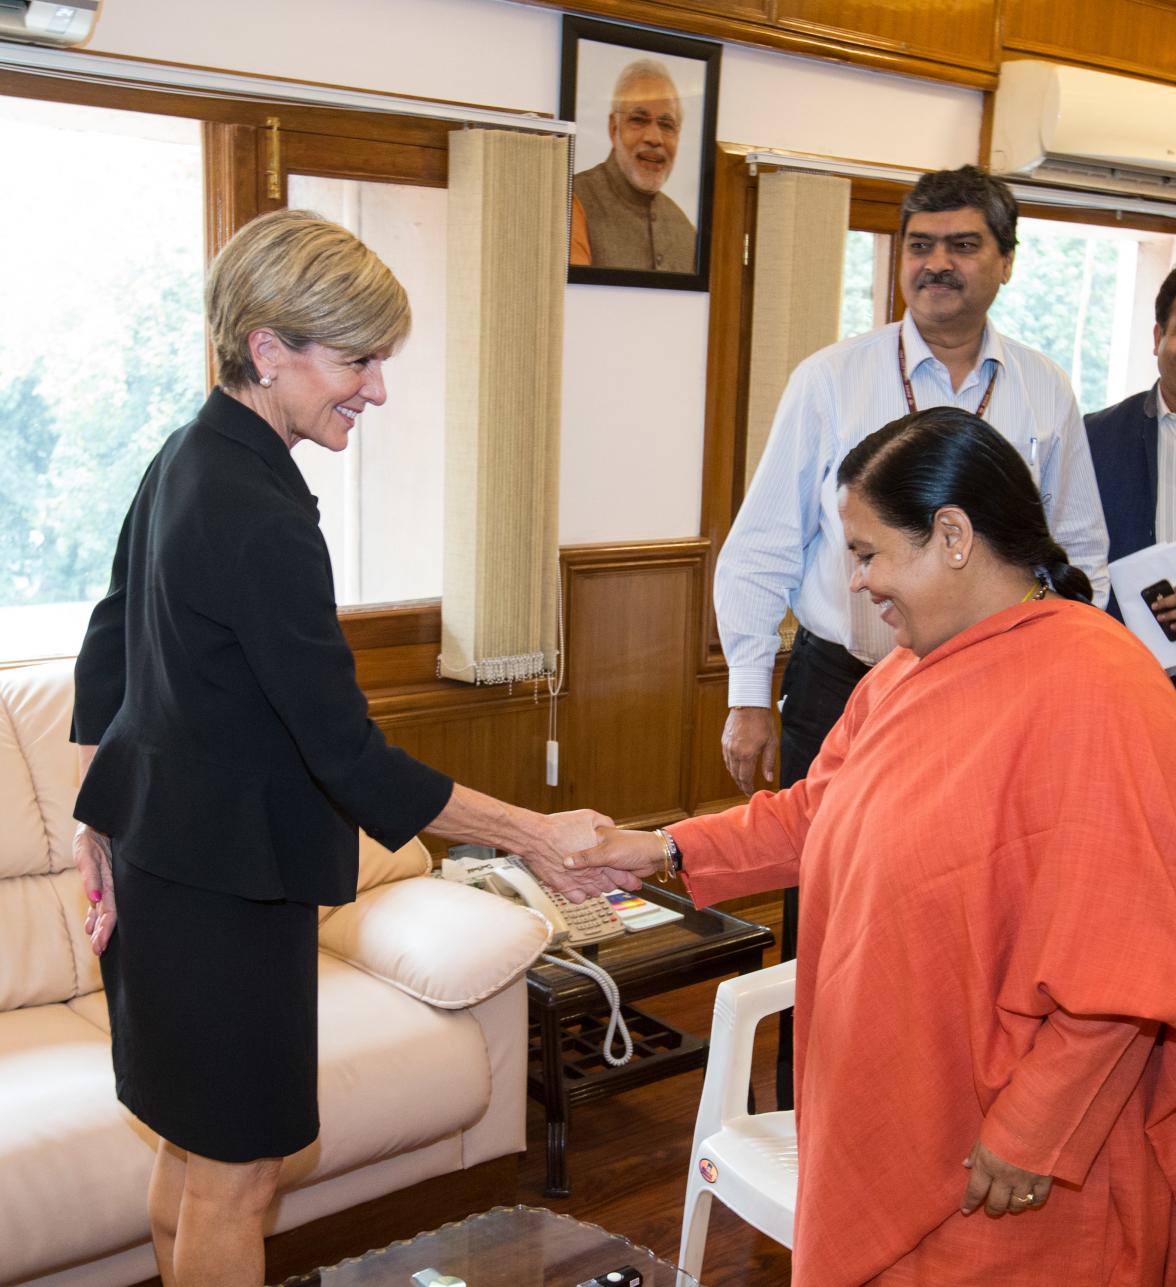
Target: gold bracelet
663,876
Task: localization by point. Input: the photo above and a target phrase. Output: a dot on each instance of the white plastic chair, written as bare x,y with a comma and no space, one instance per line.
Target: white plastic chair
747,1161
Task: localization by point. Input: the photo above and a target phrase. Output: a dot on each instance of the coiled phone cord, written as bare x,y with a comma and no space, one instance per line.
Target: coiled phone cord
604,981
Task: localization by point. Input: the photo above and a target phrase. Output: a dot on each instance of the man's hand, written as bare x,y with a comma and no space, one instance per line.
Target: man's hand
749,741
91,851
1000,1186
1165,609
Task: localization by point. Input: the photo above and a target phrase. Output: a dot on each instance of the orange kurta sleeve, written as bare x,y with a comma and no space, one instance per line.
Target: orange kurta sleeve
1066,1093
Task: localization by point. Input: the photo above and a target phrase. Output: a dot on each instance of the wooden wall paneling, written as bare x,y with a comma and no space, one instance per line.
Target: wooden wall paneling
625,719
943,40
632,621
958,32
756,10
711,787
1136,36
496,746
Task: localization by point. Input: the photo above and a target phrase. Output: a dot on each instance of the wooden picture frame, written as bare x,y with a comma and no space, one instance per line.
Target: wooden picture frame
645,104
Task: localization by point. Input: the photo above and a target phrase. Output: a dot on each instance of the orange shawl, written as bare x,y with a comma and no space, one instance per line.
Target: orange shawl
987,852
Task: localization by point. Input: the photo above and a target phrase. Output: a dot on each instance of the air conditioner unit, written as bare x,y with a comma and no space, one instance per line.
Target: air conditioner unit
1085,129
39,22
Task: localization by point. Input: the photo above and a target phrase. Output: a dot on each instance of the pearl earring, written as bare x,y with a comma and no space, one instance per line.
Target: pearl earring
266,381
957,556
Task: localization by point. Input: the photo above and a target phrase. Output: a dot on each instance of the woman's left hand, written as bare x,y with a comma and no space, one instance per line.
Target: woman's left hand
91,850
641,853
1000,1186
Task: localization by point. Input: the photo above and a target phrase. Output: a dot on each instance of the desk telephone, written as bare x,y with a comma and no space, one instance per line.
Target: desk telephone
572,924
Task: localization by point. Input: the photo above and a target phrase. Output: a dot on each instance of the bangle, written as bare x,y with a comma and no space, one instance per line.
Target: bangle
671,854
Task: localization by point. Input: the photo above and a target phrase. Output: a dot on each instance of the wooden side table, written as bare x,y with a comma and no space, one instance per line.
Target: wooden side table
568,1014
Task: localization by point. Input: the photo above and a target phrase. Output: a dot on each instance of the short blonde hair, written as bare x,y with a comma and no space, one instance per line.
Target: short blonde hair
310,282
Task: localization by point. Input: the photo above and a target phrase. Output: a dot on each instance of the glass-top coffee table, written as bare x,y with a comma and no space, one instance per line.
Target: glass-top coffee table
504,1247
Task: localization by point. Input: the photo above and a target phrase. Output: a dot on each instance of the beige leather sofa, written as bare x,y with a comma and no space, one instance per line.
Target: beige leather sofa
422,1031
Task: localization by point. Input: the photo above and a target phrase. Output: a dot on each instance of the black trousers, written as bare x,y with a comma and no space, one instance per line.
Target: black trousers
817,683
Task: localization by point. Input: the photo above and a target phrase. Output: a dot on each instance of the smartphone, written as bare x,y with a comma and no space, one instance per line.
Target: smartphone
1160,590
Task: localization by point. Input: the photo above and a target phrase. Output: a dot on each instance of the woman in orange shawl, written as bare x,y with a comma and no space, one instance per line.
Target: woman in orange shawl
987,950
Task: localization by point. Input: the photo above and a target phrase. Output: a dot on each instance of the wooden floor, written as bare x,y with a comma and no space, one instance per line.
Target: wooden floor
627,1155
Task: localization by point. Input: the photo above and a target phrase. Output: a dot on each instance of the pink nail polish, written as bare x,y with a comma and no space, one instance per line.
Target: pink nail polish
95,895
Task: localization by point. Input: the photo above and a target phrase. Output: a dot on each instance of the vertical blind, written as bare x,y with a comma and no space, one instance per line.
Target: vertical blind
801,224
507,265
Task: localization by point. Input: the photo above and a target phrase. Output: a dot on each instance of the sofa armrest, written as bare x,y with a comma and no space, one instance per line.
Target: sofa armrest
446,944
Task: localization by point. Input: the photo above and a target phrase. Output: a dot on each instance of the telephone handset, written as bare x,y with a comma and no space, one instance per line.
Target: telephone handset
572,924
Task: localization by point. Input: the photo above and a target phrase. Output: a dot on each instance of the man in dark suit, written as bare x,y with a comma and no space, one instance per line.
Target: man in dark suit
1133,446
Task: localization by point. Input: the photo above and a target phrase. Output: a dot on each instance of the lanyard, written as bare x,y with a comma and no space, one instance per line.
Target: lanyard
910,393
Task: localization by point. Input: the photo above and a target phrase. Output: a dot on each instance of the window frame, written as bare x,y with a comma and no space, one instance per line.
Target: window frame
244,152
874,206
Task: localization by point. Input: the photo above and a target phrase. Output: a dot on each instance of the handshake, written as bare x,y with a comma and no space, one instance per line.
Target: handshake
578,853
595,855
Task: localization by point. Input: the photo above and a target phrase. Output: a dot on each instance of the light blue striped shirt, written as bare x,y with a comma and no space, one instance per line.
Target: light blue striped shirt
786,547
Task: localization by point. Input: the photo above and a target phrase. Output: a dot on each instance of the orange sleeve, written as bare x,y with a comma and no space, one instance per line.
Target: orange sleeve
1067,1092
580,248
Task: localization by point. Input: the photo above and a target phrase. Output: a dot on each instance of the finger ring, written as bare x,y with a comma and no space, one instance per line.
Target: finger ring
1029,1197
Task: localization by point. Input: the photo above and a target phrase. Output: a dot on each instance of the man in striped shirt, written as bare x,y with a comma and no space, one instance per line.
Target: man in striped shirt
786,548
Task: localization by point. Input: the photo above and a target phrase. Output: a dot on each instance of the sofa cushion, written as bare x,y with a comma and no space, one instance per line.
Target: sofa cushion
74,1181
448,944
379,865
38,769
393,1074
44,954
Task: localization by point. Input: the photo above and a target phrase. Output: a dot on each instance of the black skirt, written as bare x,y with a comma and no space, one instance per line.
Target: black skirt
213,1005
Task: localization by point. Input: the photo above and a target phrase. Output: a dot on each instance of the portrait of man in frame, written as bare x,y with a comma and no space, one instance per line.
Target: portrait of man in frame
644,110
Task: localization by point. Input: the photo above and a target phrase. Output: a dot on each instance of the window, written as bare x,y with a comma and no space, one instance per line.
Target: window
865,282
381,499
101,349
1083,294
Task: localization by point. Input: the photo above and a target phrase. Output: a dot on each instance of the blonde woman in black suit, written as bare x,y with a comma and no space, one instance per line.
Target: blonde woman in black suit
226,751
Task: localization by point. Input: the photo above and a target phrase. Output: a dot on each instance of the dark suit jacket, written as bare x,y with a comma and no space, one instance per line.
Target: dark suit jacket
1123,446
235,752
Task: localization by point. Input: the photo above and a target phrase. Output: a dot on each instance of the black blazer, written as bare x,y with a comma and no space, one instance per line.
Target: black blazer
235,751
1124,441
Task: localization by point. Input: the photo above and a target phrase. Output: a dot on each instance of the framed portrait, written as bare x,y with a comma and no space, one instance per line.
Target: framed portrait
644,103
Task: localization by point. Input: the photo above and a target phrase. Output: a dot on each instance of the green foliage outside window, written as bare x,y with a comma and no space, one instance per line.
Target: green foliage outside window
101,344
857,285
1061,300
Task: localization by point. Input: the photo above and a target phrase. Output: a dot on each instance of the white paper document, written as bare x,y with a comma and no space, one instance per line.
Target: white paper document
1130,575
